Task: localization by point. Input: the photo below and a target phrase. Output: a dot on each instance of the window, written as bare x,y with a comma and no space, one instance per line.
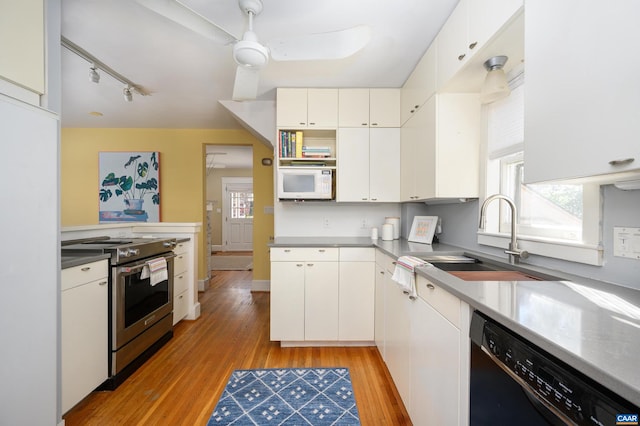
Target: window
241,204
560,215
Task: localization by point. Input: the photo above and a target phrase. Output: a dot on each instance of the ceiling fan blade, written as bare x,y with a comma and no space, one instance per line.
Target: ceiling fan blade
246,85
189,18
323,46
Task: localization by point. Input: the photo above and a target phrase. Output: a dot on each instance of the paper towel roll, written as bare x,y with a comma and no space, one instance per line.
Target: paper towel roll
395,221
387,232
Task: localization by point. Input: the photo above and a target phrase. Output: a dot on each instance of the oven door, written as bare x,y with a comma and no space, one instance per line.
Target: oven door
137,304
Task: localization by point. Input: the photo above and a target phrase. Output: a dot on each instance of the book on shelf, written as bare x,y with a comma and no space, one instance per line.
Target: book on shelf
303,163
290,145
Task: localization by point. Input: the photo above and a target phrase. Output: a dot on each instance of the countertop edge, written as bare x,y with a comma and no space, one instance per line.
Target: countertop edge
71,261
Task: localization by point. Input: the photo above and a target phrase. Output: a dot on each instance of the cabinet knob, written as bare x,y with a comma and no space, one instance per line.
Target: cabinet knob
364,199
431,286
287,251
416,106
102,283
302,124
374,199
299,264
622,162
312,124
85,269
321,250
309,264
374,124
412,111
461,57
364,124
473,45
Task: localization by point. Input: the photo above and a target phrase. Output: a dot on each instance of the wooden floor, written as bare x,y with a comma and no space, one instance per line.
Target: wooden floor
181,384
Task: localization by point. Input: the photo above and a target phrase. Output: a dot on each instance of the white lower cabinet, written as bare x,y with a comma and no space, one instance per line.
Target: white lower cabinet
84,330
426,348
322,294
180,282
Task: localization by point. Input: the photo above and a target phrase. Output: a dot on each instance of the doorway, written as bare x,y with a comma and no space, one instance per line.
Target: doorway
237,210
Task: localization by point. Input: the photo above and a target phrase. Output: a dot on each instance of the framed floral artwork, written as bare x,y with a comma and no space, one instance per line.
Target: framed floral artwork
129,186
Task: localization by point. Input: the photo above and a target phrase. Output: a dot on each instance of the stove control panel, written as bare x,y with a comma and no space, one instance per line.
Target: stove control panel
562,389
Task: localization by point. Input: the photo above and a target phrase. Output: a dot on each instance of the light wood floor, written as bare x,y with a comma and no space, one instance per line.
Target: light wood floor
181,384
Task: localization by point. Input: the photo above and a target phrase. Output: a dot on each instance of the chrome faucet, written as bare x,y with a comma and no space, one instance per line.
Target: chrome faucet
515,254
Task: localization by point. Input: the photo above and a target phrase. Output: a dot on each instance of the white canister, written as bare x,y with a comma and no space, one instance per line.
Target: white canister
374,233
387,232
395,221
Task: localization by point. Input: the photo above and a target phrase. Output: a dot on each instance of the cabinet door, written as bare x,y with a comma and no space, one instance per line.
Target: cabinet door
287,301
321,301
420,85
384,164
291,108
486,18
379,325
353,107
452,43
397,333
581,116
353,164
356,301
435,367
384,107
322,108
84,326
417,173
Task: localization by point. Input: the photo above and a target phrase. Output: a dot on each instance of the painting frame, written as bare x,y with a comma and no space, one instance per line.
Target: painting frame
129,186
423,229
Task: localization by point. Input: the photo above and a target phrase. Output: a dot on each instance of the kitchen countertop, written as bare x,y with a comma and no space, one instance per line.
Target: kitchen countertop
71,261
590,325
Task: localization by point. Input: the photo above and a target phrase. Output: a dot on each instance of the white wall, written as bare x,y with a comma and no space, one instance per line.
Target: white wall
345,220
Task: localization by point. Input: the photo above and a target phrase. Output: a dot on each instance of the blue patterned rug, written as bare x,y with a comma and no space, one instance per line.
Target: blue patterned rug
289,396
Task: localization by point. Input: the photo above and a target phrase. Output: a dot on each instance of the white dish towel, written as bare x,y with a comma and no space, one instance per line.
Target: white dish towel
405,275
155,270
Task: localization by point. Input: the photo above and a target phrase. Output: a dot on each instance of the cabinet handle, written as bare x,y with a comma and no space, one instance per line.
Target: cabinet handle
287,251
364,199
374,199
321,250
431,286
393,263
312,124
364,124
416,106
309,264
302,124
102,283
86,268
299,264
473,45
461,57
181,296
622,162
374,124
381,272
412,111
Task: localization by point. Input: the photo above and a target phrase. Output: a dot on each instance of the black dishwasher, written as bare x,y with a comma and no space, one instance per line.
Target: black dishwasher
514,382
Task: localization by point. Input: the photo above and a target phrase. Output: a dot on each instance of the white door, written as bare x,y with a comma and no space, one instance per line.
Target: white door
237,225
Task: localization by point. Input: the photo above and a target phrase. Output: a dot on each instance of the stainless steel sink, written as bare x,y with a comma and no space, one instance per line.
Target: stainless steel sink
471,269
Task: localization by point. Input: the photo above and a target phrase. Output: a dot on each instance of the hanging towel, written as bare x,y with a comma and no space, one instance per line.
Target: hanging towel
405,274
155,270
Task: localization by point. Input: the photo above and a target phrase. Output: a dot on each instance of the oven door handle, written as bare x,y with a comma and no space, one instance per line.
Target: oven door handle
130,269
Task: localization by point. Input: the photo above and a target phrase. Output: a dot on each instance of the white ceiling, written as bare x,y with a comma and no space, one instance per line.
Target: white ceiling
187,73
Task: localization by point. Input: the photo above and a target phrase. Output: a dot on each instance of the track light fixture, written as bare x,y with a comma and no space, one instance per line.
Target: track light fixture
93,74
96,64
128,96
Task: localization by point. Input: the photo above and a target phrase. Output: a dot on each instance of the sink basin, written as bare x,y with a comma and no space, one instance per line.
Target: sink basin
470,269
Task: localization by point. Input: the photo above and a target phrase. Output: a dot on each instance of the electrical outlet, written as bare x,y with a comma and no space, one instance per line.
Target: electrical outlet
326,223
364,224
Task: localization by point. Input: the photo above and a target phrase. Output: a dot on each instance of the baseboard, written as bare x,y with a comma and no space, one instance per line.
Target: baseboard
260,285
216,247
203,284
306,344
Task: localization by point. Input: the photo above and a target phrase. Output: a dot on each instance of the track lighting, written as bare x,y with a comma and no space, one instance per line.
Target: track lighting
495,84
128,96
93,74
96,65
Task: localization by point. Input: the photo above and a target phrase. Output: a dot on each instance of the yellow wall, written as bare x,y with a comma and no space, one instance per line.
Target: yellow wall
182,178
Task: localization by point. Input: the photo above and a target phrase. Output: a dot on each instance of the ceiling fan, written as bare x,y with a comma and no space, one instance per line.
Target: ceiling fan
250,55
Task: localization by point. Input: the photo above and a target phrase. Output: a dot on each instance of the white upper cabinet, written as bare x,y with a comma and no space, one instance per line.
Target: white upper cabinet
420,85
22,44
307,108
369,108
471,25
582,89
440,149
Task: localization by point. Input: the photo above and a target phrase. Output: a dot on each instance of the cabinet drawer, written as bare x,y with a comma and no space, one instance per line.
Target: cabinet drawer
180,307
179,263
82,274
387,262
284,254
181,248
357,254
441,300
180,283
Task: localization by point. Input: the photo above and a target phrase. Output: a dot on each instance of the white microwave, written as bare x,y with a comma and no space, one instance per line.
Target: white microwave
299,183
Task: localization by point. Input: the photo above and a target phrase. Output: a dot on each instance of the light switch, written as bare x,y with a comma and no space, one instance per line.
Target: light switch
626,242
